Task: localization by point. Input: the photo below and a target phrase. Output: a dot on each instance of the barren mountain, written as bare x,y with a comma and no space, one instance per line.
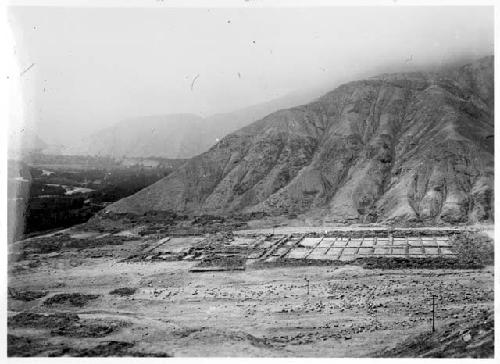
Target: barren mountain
176,135
396,147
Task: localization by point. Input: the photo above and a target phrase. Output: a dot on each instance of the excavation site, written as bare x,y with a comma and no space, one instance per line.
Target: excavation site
278,179
282,291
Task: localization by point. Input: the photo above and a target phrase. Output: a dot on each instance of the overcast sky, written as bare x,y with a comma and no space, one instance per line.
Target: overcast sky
91,67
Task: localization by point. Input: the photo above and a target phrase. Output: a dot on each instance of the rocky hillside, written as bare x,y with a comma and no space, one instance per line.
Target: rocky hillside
414,147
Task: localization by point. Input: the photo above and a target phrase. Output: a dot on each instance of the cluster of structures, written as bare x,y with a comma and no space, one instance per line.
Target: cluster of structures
239,251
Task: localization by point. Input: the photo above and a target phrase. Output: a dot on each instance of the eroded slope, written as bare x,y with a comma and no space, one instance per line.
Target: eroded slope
402,147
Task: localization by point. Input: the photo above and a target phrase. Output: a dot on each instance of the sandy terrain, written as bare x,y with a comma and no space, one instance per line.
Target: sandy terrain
349,311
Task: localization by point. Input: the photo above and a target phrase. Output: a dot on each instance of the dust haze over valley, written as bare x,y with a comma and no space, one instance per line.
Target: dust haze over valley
125,63
251,181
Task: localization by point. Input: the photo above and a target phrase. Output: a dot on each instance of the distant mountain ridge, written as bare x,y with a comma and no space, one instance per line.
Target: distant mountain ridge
415,147
176,135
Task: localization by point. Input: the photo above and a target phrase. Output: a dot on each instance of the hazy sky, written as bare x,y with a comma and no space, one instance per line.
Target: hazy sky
95,66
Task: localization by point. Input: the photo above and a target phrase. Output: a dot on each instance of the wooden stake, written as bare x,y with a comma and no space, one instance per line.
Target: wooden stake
433,314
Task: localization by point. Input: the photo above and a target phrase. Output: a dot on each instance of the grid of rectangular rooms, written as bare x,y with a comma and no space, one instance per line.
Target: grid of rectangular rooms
346,248
274,247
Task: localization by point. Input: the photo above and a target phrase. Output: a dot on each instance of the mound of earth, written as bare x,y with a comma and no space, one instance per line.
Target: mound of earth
28,347
414,147
73,299
56,320
124,291
85,329
26,295
24,346
111,348
64,324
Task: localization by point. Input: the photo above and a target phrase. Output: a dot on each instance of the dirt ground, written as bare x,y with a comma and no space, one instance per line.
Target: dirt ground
300,311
